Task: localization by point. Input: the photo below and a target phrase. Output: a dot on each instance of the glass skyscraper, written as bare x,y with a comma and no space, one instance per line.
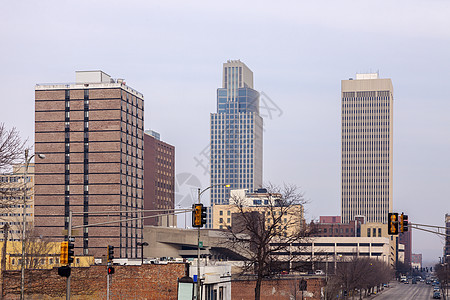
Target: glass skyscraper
236,135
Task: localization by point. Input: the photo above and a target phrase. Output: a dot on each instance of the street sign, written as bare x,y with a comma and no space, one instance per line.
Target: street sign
200,244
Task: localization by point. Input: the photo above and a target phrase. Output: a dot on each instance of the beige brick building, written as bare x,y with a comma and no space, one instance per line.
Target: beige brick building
367,150
377,230
91,132
263,203
11,201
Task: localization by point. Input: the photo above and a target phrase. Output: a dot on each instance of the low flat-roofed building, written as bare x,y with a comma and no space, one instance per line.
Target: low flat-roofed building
322,251
377,230
40,254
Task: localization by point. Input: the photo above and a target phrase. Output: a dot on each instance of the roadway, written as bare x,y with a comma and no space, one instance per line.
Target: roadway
409,291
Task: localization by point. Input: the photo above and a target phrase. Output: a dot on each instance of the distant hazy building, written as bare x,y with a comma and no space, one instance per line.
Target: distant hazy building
11,201
416,261
367,128
406,239
159,180
236,134
401,253
92,133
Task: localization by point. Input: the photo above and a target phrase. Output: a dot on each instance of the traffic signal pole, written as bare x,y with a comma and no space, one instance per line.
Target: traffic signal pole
69,236
107,286
198,254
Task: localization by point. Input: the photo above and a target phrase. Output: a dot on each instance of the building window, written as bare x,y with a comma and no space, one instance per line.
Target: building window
368,232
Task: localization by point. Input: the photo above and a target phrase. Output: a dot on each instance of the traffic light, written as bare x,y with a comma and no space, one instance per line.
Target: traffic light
110,255
400,223
64,253
197,215
70,252
393,223
110,270
405,223
203,215
64,271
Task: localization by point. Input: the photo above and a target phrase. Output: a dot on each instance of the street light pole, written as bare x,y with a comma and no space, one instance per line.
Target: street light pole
24,220
142,250
198,237
198,253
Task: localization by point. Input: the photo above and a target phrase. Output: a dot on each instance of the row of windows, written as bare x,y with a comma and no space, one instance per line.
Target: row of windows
12,179
14,214
336,230
13,198
374,232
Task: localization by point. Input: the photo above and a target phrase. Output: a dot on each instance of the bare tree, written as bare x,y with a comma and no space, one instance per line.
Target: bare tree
264,234
443,274
11,147
359,274
39,254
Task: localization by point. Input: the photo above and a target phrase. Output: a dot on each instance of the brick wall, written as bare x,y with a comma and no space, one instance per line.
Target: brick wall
279,289
128,282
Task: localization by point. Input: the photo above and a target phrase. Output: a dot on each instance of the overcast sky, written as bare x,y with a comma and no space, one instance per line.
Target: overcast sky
172,52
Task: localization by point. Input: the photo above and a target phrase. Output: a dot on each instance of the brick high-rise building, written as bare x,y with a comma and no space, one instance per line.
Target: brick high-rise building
367,152
159,179
91,132
405,238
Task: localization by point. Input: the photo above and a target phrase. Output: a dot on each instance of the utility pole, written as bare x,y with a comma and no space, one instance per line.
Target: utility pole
107,284
5,244
69,238
198,254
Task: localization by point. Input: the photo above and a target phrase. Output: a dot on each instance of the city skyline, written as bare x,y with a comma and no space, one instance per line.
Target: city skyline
299,52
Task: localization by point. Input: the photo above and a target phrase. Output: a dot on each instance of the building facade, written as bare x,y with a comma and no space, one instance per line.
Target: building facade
159,180
321,250
292,218
323,229
405,238
39,255
416,260
91,132
12,204
330,219
236,135
367,150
